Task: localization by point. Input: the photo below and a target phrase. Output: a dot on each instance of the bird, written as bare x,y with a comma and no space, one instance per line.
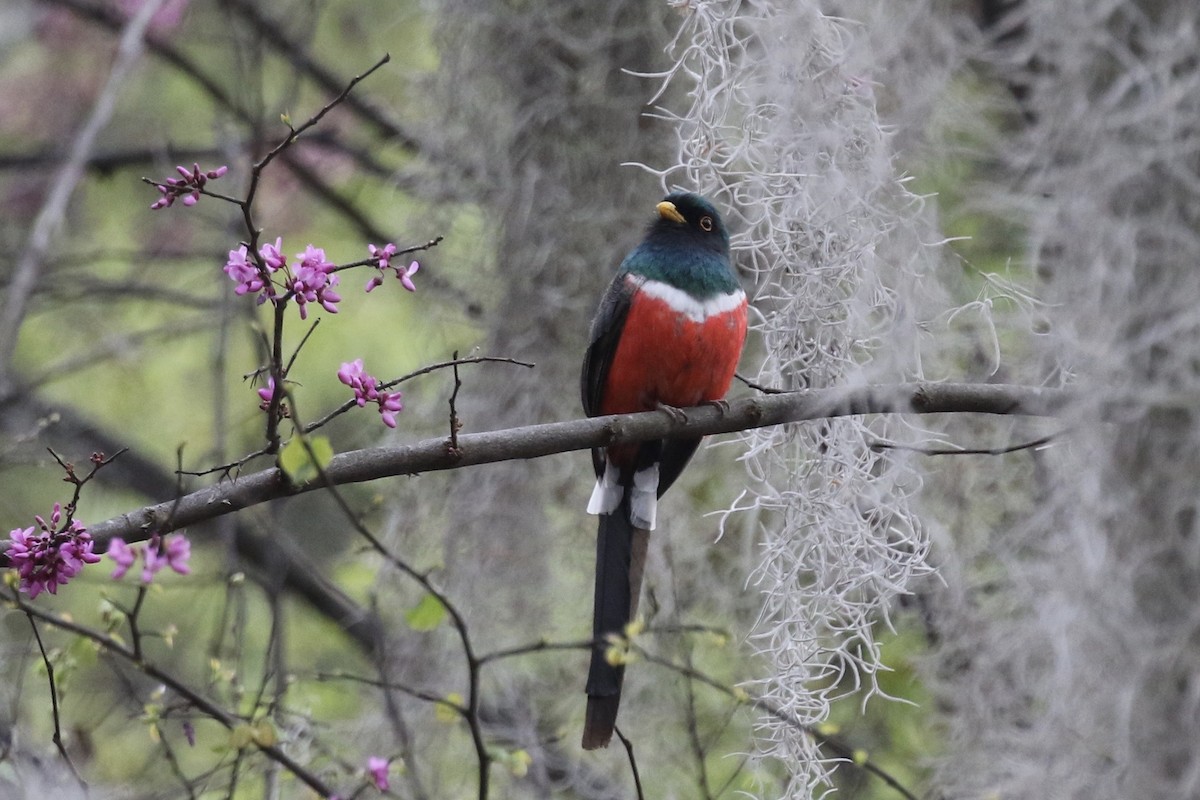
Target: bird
668,334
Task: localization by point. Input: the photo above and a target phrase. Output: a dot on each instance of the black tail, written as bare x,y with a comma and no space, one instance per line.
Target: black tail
620,558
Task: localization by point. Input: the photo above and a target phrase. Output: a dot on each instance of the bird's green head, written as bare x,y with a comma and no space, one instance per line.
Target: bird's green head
686,246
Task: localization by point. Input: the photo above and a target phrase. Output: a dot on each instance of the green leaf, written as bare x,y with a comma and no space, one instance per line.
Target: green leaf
426,615
296,464
448,711
264,734
241,736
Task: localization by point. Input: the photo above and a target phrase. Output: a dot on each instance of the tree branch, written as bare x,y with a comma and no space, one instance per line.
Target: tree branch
64,428
536,441
299,56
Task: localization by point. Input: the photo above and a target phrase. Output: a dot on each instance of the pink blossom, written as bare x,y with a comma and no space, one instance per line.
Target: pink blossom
152,561
378,769
405,276
314,280
366,390
178,552
384,255
273,255
50,558
240,268
173,552
353,374
389,407
188,186
123,554
266,393
254,275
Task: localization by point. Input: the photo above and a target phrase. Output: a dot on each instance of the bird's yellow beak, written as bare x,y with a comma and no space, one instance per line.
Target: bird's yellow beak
667,210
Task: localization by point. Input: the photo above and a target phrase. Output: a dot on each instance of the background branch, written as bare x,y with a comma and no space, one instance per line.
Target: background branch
49,219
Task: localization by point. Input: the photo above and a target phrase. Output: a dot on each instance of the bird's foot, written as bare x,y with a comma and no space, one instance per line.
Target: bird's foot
720,405
676,414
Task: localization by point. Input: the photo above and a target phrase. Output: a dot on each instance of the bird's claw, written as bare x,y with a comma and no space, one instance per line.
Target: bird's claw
676,414
720,405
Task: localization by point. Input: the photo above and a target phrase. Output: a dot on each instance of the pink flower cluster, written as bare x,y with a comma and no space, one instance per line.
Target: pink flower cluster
366,389
49,558
173,552
311,280
384,255
187,186
314,280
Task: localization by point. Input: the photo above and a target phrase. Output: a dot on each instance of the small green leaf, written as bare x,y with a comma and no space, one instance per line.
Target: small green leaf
426,615
448,710
297,465
264,734
241,736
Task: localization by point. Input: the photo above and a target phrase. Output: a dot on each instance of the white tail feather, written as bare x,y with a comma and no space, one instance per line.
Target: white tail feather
607,494
643,498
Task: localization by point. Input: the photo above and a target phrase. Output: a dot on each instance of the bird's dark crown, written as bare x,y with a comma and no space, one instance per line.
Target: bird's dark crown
702,224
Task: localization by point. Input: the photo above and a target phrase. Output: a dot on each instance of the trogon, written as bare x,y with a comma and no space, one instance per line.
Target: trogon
668,335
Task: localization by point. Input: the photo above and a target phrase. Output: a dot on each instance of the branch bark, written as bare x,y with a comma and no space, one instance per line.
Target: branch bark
536,441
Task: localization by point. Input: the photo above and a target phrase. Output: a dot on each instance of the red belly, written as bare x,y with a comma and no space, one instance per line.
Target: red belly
665,357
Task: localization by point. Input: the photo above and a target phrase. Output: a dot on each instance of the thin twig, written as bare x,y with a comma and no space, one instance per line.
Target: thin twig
455,423
541,646
965,451
693,728
456,362
98,460
373,261
274,413
57,736
131,616
226,718
173,762
315,118
758,387
295,353
637,778
411,691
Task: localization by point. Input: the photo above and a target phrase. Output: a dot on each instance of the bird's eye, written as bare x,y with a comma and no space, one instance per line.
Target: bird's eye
706,223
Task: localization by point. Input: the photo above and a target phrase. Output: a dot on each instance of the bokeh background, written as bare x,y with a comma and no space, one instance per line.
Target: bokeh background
990,191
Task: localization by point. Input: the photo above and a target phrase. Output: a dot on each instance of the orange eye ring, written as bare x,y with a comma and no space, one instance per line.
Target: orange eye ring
706,223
